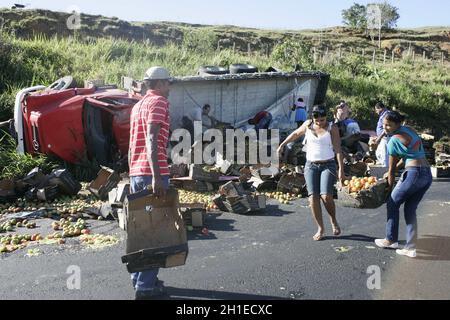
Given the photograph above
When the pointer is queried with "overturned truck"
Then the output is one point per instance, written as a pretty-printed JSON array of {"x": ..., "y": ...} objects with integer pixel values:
[{"x": 93, "y": 123}]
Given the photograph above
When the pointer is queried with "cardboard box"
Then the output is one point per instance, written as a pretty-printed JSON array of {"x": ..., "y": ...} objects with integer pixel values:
[{"x": 156, "y": 233}]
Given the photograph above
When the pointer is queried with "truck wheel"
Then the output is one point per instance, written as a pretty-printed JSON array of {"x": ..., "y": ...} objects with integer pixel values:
[
  {"x": 62, "y": 83},
  {"x": 211, "y": 70},
  {"x": 242, "y": 68}
]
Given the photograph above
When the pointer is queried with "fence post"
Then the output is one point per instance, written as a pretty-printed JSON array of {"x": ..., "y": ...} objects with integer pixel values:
[
  {"x": 373, "y": 57},
  {"x": 393, "y": 56},
  {"x": 218, "y": 45},
  {"x": 364, "y": 53},
  {"x": 423, "y": 56},
  {"x": 414, "y": 56},
  {"x": 340, "y": 53},
  {"x": 234, "y": 47},
  {"x": 384, "y": 57},
  {"x": 442, "y": 58},
  {"x": 249, "y": 48}
]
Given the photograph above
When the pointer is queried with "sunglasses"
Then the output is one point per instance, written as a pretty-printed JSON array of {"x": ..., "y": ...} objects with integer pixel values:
[{"x": 319, "y": 114}]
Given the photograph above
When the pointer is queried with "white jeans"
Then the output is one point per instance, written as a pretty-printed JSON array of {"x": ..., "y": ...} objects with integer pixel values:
[{"x": 381, "y": 152}]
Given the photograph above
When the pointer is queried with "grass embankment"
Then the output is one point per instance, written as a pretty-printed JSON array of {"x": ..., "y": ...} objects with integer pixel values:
[{"x": 421, "y": 90}]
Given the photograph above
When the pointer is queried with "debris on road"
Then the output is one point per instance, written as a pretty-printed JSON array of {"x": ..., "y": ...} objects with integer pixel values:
[{"x": 343, "y": 249}]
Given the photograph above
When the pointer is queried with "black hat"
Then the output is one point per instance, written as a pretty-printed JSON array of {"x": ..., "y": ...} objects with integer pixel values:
[
  {"x": 318, "y": 112},
  {"x": 320, "y": 109}
]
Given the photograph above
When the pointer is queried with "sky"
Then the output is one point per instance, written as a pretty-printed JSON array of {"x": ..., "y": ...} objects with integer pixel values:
[{"x": 265, "y": 14}]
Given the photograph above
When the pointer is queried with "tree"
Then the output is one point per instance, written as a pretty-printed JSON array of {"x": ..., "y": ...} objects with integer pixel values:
[
  {"x": 389, "y": 15},
  {"x": 355, "y": 17},
  {"x": 381, "y": 16}
]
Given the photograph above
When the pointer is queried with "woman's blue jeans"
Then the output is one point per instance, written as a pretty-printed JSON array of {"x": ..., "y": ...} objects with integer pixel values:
[{"x": 412, "y": 186}]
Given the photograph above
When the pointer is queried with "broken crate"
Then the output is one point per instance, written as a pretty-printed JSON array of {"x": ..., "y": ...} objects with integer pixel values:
[{"x": 107, "y": 179}]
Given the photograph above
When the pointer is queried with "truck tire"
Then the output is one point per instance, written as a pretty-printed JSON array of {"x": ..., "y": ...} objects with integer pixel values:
[
  {"x": 242, "y": 68},
  {"x": 63, "y": 83},
  {"x": 211, "y": 70}
]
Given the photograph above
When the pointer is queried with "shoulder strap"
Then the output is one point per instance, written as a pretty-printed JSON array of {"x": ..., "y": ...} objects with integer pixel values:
[{"x": 330, "y": 126}]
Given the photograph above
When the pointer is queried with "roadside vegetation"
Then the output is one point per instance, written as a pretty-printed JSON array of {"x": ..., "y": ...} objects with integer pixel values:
[{"x": 420, "y": 90}]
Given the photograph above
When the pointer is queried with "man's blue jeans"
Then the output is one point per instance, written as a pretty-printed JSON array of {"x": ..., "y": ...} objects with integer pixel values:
[
  {"x": 412, "y": 186},
  {"x": 145, "y": 280}
]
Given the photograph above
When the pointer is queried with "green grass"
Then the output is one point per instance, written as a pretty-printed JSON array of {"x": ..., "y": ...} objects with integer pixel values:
[
  {"x": 13, "y": 164},
  {"x": 421, "y": 90}
]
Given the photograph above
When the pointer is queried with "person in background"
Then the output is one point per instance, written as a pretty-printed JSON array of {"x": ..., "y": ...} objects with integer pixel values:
[
  {"x": 349, "y": 129},
  {"x": 381, "y": 141},
  {"x": 405, "y": 149},
  {"x": 300, "y": 112},
  {"x": 261, "y": 120},
  {"x": 187, "y": 121},
  {"x": 149, "y": 136},
  {"x": 322, "y": 147},
  {"x": 344, "y": 110}
]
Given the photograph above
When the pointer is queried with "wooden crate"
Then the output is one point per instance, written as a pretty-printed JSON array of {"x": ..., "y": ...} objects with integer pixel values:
[
  {"x": 107, "y": 179},
  {"x": 193, "y": 214},
  {"x": 370, "y": 199},
  {"x": 196, "y": 172},
  {"x": 440, "y": 172}
]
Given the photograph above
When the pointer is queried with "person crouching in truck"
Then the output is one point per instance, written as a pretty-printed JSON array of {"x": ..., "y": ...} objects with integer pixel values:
[
  {"x": 149, "y": 135},
  {"x": 349, "y": 129},
  {"x": 261, "y": 121},
  {"x": 323, "y": 144},
  {"x": 404, "y": 149}
]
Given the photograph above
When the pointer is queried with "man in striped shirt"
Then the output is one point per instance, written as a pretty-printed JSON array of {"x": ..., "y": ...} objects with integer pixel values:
[{"x": 149, "y": 135}]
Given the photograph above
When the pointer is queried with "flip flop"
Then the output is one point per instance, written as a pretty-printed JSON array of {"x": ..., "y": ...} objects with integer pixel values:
[
  {"x": 318, "y": 236},
  {"x": 336, "y": 230}
]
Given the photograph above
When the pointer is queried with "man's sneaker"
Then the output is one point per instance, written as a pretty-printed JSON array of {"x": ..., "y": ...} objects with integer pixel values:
[
  {"x": 407, "y": 252},
  {"x": 383, "y": 243}
]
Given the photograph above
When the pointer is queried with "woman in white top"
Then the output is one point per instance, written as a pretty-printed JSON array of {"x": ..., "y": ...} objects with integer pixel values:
[{"x": 323, "y": 144}]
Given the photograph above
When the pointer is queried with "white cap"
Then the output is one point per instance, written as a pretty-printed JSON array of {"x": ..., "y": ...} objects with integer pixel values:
[{"x": 157, "y": 73}]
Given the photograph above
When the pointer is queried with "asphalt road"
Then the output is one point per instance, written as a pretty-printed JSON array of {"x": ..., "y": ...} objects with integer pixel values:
[{"x": 265, "y": 256}]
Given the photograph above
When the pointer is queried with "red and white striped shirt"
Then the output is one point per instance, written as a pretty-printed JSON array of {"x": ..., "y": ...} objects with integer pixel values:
[{"x": 152, "y": 109}]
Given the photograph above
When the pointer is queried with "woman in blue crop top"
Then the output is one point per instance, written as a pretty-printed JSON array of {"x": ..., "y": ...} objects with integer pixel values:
[{"x": 405, "y": 149}]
